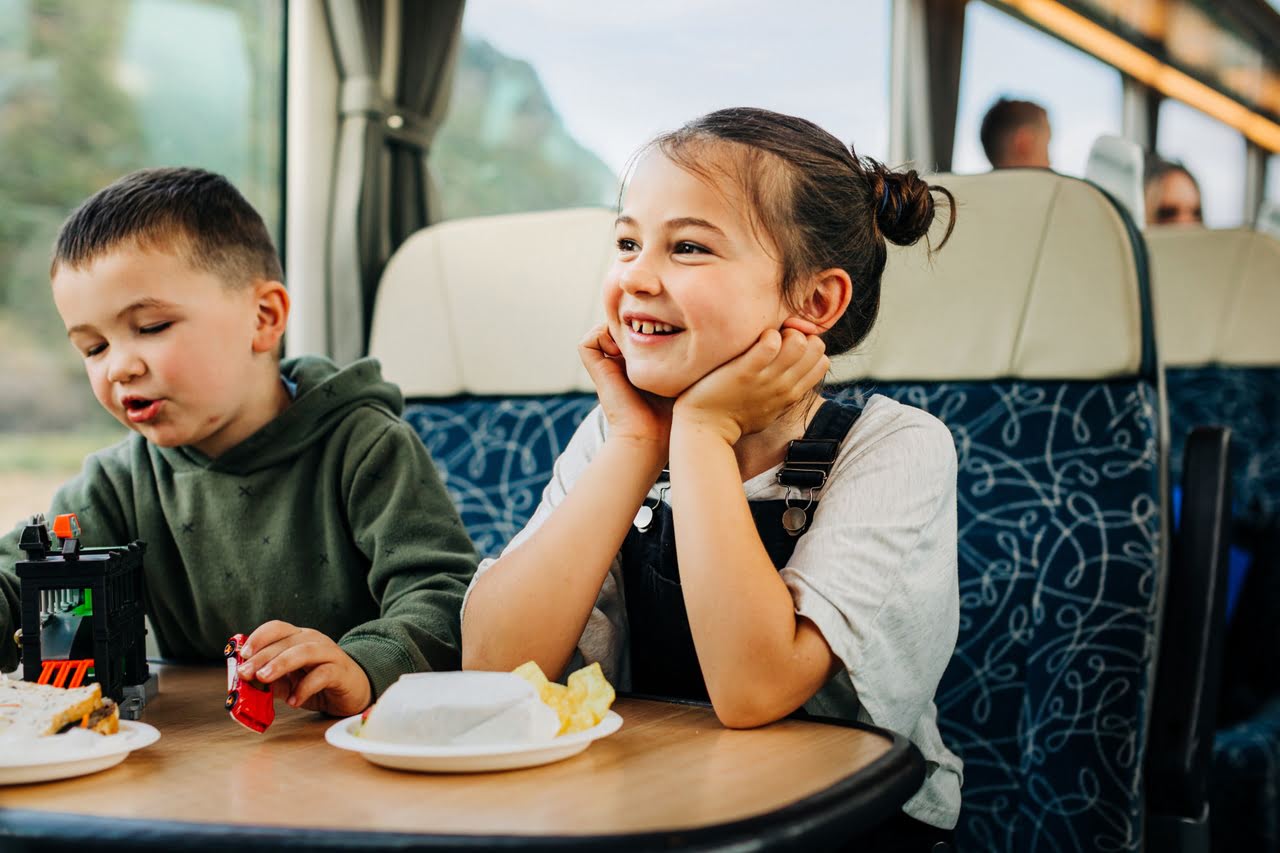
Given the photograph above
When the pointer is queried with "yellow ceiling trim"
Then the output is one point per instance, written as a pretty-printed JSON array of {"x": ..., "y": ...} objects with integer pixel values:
[{"x": 1144, "y": 67}]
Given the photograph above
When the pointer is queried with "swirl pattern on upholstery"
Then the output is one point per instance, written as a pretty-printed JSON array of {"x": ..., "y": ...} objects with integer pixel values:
[
  {"x": 1247, "y": 399},
  {"x": 1243, "y": 789},
  {"x": 495, "y": 455},
  {"x": 1059, "y": 526}
]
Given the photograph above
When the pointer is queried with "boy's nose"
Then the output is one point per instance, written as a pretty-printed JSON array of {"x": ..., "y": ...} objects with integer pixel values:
[{"x": 125, "y": 366}]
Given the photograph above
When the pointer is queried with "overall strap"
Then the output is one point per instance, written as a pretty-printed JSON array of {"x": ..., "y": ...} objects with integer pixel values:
[{"x": 810, "y": 459}]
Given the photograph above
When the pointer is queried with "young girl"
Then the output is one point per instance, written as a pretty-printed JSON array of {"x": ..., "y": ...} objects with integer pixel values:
[{"x": 715, "y": 530}]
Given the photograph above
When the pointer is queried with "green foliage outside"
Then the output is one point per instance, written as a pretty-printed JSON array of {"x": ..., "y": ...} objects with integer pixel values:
[
  {"x": 58, "y": 452},
  {"x": 88, "y": 92},
  {"x": 503, "y": 147},
  {"x": 92, "y": 90}
]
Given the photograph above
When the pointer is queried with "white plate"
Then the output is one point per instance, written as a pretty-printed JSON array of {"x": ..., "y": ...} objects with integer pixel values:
[
  {"x": 64, "y": 759},
  {"x": 468, "y": 759}
]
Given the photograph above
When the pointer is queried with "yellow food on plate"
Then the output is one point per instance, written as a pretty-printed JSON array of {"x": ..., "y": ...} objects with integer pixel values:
[{"x": 580, "y": 704}]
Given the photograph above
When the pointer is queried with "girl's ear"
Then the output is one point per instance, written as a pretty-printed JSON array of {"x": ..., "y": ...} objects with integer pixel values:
[
  {"x": 272, "y": 304},
  {"x": 826, "y": 303}
]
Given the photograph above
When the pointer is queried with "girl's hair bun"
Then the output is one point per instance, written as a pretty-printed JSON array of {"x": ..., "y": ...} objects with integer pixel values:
[{"x": 904, "y": 204}]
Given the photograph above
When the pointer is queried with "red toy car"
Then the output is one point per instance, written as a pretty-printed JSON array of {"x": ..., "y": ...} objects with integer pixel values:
[{"x": 249, "y": 701}]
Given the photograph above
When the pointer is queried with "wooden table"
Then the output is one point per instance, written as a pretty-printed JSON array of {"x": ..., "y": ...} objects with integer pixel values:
[{"x": 671, "y": 777}]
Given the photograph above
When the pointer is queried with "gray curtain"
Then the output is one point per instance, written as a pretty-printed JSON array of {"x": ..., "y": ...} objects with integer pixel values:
[
  {"x": 382, "y": 189},
  {"x": 945, "y": 42}
]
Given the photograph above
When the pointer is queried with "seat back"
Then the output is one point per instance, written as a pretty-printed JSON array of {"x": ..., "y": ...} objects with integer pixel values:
[
  {"x": 1029, "y": 335},
  {"x": 476, "y": 321},
  {"x": 1218, "y": 313},
  {"x": 1116, "y": 164},
  {"x": 1218, "y": 300}
]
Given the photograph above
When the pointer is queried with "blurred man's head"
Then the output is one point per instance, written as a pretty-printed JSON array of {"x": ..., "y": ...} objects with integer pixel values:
[
  {"x": 1172, "y": 194},
  {"x": 1016, "y": 133}
]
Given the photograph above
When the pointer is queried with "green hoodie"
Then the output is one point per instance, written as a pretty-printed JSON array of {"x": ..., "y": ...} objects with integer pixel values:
[{"x": 330, "y": 517}]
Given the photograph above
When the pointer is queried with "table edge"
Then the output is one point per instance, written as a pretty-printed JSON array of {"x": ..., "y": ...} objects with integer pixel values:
[{"x": 853, "y": 804}]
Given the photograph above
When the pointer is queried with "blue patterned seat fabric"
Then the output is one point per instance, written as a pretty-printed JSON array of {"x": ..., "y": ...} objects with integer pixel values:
[
  {"x": 1243, "y": 784},
  {"x": 1058, "y": 528},
  {"x": 1059, "y": 523},
  {"x": 495, "y": 455},
  {"x": 1247, "y": 399},
  {"x": 1245, "y": 778}
]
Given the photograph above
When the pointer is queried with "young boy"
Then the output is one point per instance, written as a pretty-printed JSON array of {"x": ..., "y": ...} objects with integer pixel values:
[{"x": 287, "y": 497}]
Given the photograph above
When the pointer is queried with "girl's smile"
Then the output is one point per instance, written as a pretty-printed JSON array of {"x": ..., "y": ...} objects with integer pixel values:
[{"x": 645, "y": 329}]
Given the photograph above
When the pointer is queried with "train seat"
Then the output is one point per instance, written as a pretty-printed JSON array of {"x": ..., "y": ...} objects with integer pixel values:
[
  {"x": 1218, "y": 302},
  {"x": 1030, "y": 336},
  {"x": 477, "y": 321},
  {"x": 1218, "y": 310}
]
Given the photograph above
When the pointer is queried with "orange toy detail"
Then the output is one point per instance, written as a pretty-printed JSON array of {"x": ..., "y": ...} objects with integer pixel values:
[
  {"x": 64, "y": 673},
  {"x": 66, "y": 526}
]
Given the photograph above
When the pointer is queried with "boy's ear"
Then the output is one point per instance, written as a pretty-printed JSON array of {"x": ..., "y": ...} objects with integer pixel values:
[
  {"x": 272, "y": 303},
  {"x": 826, "y": 303}
]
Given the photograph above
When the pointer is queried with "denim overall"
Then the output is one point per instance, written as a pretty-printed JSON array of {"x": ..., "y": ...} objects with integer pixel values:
[{"x": 663, "y": 659}]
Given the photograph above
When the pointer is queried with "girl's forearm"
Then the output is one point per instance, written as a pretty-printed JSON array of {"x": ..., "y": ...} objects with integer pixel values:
[
  {"x": 533, "y": 603},
  {"x": 759, "y": 659}
]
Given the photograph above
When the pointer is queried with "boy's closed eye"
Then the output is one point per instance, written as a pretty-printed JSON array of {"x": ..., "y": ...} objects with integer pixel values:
[{"x": 150, "y": 329}]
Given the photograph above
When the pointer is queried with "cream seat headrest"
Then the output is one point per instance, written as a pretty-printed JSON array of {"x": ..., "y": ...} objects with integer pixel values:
[
  {"x": 1217, "y": 296},
  {"x": 1038, "y": 281},
  {"x": 494, "y": 305}
]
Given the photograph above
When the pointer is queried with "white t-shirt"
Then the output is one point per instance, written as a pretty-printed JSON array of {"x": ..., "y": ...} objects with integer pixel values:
[{"x": 875, "y": 572}]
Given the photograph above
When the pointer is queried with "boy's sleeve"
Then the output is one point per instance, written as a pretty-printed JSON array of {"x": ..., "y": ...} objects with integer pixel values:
[
  {"x": 422, "y": 559},
  {"x": 93, "y": 496}
]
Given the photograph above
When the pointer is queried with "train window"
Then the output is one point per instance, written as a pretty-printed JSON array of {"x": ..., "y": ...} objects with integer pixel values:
[
  {"x": 551, "y": 99},
  {"x": 1273, "y": 178},
  {"x": 88, "y": 92},
  {"x": 1214, "y": 154},
  {"x": 1006, "y": 58}
]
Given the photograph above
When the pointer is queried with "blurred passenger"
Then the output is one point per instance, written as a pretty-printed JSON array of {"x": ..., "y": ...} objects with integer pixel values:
[
  {"x": 1016, "y": 134},
  {"x": 1172, "y": 194}
]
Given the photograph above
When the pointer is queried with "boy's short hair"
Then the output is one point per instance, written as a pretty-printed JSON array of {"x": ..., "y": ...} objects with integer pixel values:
[
  {"x": 196, "y": 214},
  {"x": 1005, "y": 116}
]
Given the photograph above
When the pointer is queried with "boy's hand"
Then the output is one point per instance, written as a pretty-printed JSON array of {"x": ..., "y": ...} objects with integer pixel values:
[
  {"x": 306, "y": 669},
  {"x": 745, "y": 395},
  {"x": 632, "y": 414}
]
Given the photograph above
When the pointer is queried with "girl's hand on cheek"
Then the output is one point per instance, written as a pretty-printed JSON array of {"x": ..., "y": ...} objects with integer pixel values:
[
  {"x": 632, "y": 414},
  {"x": 747, "y": 394}
]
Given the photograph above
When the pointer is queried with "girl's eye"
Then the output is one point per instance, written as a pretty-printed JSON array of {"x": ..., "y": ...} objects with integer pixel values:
[
  {"x": 95, "y": 350},
  {"x": 154, "y": 328},
  {"x": 684, "y": 247},
  {"x": 626, "y": 244}
]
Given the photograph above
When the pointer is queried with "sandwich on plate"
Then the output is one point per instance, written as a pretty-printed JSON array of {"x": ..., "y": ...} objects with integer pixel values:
[
  {"x": 487, "y": 708},
  {"x": 29, "y": 710},
  {"x": 459, "y": 709}
]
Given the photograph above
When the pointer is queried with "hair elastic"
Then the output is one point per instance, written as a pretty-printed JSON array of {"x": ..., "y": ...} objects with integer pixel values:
[{"x": 884, "y": 197}]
